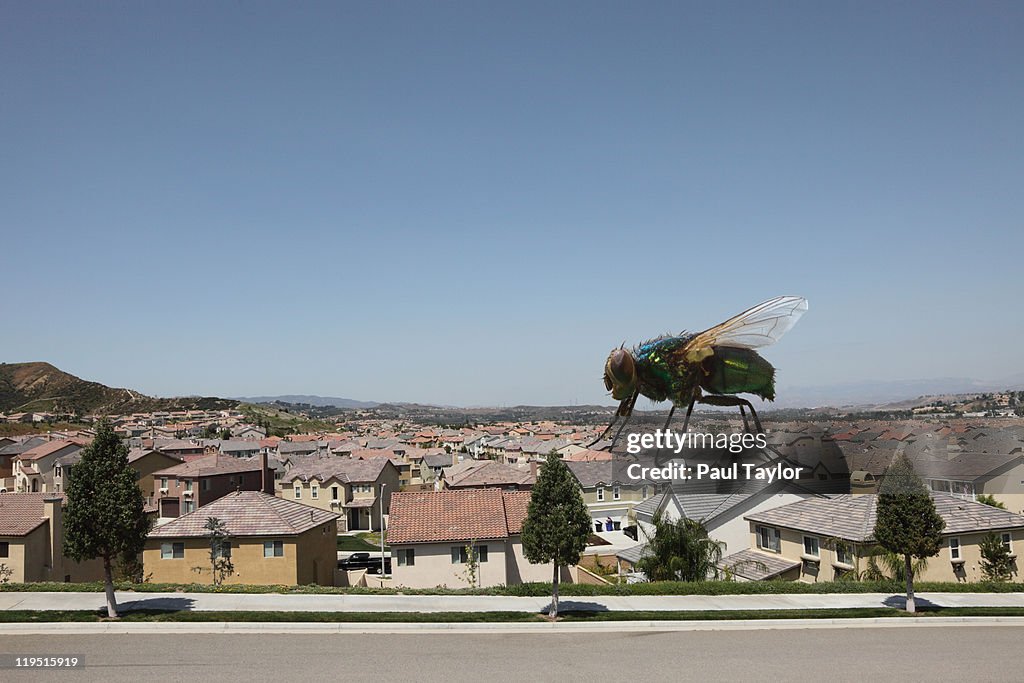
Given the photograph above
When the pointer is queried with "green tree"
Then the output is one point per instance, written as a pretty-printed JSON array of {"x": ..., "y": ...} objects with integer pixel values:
[
  {"x": 225, "y": 434},
  {"x": 680, "y": 551},
  {"x": 996, "y": 560},
  {"x": 906, "y": 522},
  {"x": 989, "y": 499},
  {"x": 105, "y": 515},
  {"x": 557, "y": 523}
]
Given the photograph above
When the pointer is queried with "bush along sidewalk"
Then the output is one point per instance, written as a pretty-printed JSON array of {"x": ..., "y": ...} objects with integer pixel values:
[{"x": 541, "y": 590}]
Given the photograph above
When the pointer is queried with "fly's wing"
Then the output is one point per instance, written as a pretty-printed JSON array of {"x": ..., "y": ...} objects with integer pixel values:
[{"x": 755, "y": 327}]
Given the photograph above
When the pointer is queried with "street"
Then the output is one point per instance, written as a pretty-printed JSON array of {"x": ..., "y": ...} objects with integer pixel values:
[{"x": 952, "y": 652}]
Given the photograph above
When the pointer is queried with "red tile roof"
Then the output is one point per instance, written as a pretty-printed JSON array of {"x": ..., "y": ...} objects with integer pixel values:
[
  {"x": 248, "y": 513},
  {"x": 463, "y": 515},
  {"x": 211, "y": 465},
  {"x": 20, "y": 513}
]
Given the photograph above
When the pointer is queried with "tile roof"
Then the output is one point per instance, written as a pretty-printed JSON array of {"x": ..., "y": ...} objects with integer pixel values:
[
  {"x": 211, "y": 465},
  {"x": 20, "y": 513},
  {"x": 248, "y": 513},
  {"x": 757, "y": 566},
  {"x": 460, "y": 515},
  {"x": 481, "y": 473},
  {"x": 48, "y": 448},
  {"x": 345, "y": 470},
  {"x": 852, "y": 517}
]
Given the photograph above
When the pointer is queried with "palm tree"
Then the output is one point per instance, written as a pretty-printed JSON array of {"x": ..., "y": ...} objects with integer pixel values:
[{"x": 680, "y": 551}]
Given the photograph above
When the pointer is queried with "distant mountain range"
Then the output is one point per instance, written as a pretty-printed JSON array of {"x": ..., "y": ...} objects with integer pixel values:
[
  {"x": 318, "y": 401},
  {"x": 41, "y": 387},
  {"x": 873, "y": 393}
]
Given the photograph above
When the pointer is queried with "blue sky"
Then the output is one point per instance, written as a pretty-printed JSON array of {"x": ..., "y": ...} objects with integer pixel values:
[{"x": 471, "y": 203}]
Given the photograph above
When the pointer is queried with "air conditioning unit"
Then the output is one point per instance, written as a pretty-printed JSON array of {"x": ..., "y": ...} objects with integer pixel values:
[{"x": 188, "y": 493}]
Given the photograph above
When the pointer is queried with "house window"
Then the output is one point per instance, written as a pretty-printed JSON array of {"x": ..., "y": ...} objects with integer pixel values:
[
  {"x": 314, "y": 492},
  {"x": 954, "y": 548},
  {"x": 298, "y": 493},
  {"x": 406, "y": 557},
  {"x": 811, "y": 548},
  {"x": 163, "y": 482},
  {"x": 189, "y": 506},
  {"x": 273, "y": 549},
  {"x": 5, "y": 549},
  {"x": 56, "y": 470},
  {"x": 615, "y": 493},
  {"x": 334, "y": 493},
  {"x": 241, "y": 480},
  {"x": 768, "y": 538},
  {"x": 643, "y": 491},
  {"x": 188, "y": 484},
  {"x": 460, "y": 554},
  {"x": 844, "y": 553},
  {"x": 600, "y": 493},
  {"x": 1008, "y": 543},
  {"x": 172, "y": 551},
  {"x": 224, "y": 551},
  {"x": 205, "y": 486}
]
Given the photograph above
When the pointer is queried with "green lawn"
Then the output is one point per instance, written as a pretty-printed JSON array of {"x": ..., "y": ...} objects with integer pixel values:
[{"x": 369, "y": 542}]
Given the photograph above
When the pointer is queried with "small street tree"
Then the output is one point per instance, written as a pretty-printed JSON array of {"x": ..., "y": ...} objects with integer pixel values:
[
  {"x": 557, "y": 523},
  {"x": 906, "y": 521},
  {"x": 105, "y": 515},
  {"x": 996, "y": 559},
  {"x": 221, "y": 566}
]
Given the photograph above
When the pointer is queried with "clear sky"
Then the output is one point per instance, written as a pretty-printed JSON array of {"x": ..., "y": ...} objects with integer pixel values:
[{"x": 472, "y": 202}]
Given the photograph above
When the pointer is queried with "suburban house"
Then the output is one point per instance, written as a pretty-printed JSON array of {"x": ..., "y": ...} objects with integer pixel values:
[
  {"x": 349, "y": 486},
  {"x": 183, "y": 488},
  {"x": 33, "y": 469},
  {"x": 146, "y": 462},
  {"x": 32, "y": 541},
  {"x": 479, "y": 474},
  {"x": 270, "y": 541},
  {"x": 821, "y": 539},
  {"x": 430, "y": 533},
  {"x": 607, "y": 496},
  {"x": 9, "y": 452}
]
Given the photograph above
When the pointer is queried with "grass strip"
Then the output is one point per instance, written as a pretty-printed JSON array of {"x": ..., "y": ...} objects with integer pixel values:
[{"x": 54, "y": 616}]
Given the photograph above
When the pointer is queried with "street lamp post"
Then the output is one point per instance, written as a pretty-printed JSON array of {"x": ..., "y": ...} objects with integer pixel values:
[{"x": 382, "y": 572}]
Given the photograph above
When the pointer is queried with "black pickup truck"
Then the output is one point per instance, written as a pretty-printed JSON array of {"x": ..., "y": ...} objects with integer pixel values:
[{"x": 364, "y": 561}]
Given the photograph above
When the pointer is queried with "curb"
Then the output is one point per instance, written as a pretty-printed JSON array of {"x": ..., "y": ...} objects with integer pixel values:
[{"x": 241, "y": 628}]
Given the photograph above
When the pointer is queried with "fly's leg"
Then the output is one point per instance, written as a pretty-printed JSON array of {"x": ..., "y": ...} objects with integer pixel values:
[
  {"x": 669, "y": 420},
  {"x": 606, "y": 430},
  {"x": 734, "y": 401},
  {"x": 625, "y": 409},
  {"x": 694, "y": 396}
]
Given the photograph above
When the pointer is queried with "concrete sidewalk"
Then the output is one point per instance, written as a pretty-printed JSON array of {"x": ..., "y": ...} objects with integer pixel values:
[{"x": 265, "y": 602}]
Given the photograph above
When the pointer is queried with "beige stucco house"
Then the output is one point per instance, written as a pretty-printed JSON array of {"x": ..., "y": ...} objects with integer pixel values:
[
  {"x": 430, "y": 534},
  {"x": 821, "y": 539},
  {"x": 32, "y": 541},
  {"x": 271, "y": 541},
  {"x": 351, "y": 487}
]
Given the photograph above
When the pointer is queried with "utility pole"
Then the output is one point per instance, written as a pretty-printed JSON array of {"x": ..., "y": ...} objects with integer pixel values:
[{"x": 382, "y": 572}]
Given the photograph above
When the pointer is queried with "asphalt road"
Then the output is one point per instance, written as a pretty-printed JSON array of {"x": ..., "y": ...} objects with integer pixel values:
[{"x": 955, "y": 653}]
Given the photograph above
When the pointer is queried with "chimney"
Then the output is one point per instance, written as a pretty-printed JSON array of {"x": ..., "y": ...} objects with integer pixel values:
[
  {"x": 263, "y": 474},
  {"x": 53, "y": 511}
]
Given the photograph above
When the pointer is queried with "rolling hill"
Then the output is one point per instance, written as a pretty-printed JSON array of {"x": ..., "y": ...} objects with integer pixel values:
[{"x": 41, "y": 387}]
